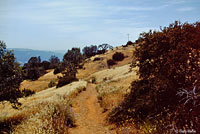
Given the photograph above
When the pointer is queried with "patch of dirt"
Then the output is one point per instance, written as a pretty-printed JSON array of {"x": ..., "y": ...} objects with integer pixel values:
[{"x": 89, "y": 116}]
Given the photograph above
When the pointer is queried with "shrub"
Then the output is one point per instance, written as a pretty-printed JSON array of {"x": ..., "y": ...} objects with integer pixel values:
[
  {"x": 129, "y": 43},
  {"x": 111, "y": 62},
  {"x": 54, "y": 62},
  {"x": 65, "y": 80},
  {"x": 27, "y": 92},
  {"x": 80, "y": 66},
  {"x": 71, "y": 61},
  {"x": 69, "y": 75},
  {"x": 168, "y": 62},
  {"x": 56, "y": 70},
  {"x": 118, "y": 56},
  {"x": 51, "y": 84},
  {"x": 46, "y": 65},
  {"x": 97, "y": 59},
  {"x": 93, "y": 79},
  {"x": 60, "y": 68}
]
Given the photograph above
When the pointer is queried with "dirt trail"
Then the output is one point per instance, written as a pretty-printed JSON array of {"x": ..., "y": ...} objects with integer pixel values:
[{"x": 88, "y": 114}]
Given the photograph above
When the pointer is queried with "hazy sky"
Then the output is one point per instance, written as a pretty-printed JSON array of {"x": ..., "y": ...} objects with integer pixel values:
[{"x": 62, "y": 24}]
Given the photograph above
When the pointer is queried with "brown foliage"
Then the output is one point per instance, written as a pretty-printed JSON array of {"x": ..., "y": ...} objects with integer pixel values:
[{"x": 167, "y": 93}]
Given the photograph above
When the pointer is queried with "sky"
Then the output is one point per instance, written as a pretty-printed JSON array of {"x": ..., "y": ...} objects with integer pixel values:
[{"x": 63, "y": 24}]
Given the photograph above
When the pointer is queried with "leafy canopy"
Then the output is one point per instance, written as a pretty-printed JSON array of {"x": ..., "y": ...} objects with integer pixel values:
[{"x": 10, "y": 75}]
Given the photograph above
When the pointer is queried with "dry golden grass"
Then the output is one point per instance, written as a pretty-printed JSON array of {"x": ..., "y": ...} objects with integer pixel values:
[
  {"x": 113, "y": 84},
  {"x": 39, "y": 112},
  {"x": 114, "y": 74},
  {"x": 95, "y": 66},
  {"x": 41, "y": 83},
  {"x": 50, "y": 119}
]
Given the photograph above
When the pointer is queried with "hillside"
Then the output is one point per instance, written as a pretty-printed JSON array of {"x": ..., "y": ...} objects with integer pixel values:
[
  {"x": 41, "y": 83},
  {"x": 23, "y": 55},
  {"x": 109, "y": 86},
  {"x": 100, "y": 67},
  {"x": 37, "y": 109},
  {"x": 91, "y": 66}
]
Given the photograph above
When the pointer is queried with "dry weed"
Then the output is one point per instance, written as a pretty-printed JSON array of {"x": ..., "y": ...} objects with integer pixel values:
[{"x": 39, "y": 114}]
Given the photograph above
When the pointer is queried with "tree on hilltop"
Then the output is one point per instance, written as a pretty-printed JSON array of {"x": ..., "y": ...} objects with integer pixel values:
[
  {"x": 90, "y": 51},
  {"x": 71, "y": 61},
  {"x": 33, "y": 69},
  {"x": 103, "y": 48},
  {"x": 54, "y": 61},
  {"x": 73, "y": 56}
]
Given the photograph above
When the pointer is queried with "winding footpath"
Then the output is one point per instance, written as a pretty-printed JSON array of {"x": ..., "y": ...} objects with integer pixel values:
[{"x": 89, "y": 118}]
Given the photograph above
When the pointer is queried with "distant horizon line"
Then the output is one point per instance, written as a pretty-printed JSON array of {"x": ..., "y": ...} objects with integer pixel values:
[{"x": 10, "y": 48}]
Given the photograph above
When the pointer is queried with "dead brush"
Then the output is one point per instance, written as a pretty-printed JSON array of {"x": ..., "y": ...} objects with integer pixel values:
[
  {"x": 42, "y": 113},
  {"x": 54, "y": 117}
]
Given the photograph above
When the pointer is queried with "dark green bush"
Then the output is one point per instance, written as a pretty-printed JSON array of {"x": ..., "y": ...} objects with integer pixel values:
[
  {"x": 27, "y": 92},
  {"x": 51, "y": 84},
  {"x": 118, "y": 56},
  {"x": 56, "y": 70},
  {"x": 90, "y": 51},
  {"x": 69, "y": 75},
  {"x": 129, "y": 43},
  {"x": 111, "y": 62},
  {"x": 73, "y": 56},
  {"x": 10, "y": 76},
  {"x": 33, "y": 69},
  {"x": 54, "y": 62},
  {"x": 93, "y": 79},
  {"x": 45, "y": 65},
  {"x": 93, "y": 50},
  {"x": 97, "y": 59},
  {"x": 65, "y": 80},
  {"x": 71, "y": 61},
  {"x": 167, "y": 93}
]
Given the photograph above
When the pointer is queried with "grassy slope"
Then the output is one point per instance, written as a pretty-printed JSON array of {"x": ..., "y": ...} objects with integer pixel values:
[
  {"x": 41, "y": 83},
  {"x": 114, "y": 82},
  {"x": 35, "y": 106},
  {"x": 95, "y": 66},
  {"x": 112, "y": 85},
  {"x": 89, "y": 65}
]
